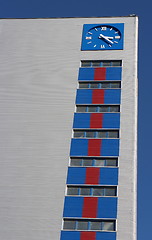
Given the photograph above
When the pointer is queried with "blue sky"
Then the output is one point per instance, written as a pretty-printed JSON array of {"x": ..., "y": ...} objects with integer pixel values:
[{"x": 101, "y": 8}]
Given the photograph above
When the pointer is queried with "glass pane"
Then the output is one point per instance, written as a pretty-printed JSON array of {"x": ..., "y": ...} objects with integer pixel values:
[
  {"x": 111, "y": 191},
  {"x": 101, "y": 135},
  {"x": 98, "y": 192},
  {"x": 92, "y": 109},
  {"x": 106, "y": 63},
  {"x": 95, "y": 225},
  {"x": 105, "y": 85},
  {"x": 96, "y": 64},
  {"x": 103, "y": 109},
  {"x": 84, "y": 191},
  {"x": 82, "y": 225},
  {"x": 83, "y": 85},
  {"x": 94, "y": 85},
  {"x": 69, "y": 224},
  {"x": 79, "y": 134},
  {"x": 81, "y": 109},
  {"x": 114, "y": 108},
  {"x": 72, "y": 190},
  {"x": 86, "y": 64},
  {"x": 87, "y": 162},
  {"x": 113, "y": 134},
  {"x": 111, "y": 162},
  {"x": 76, "y": 162},
  {"x": 115, "y": 85},
  {"x": 90, "y": 134},
  {"x": 108, "y": 226},
  {"x": 116, "y": 63},
  {"x": 99, "y": 162}
]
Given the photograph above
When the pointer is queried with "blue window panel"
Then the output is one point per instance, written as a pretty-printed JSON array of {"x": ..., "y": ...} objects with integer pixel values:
[
  {"x": 111, "y": 120},
  {"x": 105, "y": 236},
  {"x": 84, "y": 96},
  {"x": 86, "y": 74},
  {"x": 71, "y": 235},
  {"x": 76, "y": 175},
  {"x": 113, "y": 73},
  {"x": 110, "y": 147},
  {"x": 107, "y": 207},
  {"x": 108, "y": 176},
  {"x": 81, "y": 120},
  {"x": 79, "y": 147},
  {"x": 73, "y": 207},
  {"x": 112, "y": 96}
]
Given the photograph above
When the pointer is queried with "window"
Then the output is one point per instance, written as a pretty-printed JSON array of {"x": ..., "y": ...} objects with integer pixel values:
[
  {"x": 92, "y": 109},
  {"x": 92, "y": 191},
  {"x": 79, "y": 134},
  {"x": 98, "y": 85},
  {"x": 98, "y": 162},
  {"x": 98, "y": 108},
  {"x": 69, "y": 224},
  {"x": 86, "y": 64},
  {"x": 87, "y": 162},
  {"x": 82, "y": 225},
  {"x": 84, "y": 191},
  {"x": 104, "y": 63},
  {"x": 95, "y": 63},
  {"x": 73, "y": 191},
  {"x": 96, "y": 134},
  {"x": 96, "y": 225}
]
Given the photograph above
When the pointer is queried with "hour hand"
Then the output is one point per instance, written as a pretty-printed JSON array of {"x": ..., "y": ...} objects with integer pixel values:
[{"x": 106, "y": 38}]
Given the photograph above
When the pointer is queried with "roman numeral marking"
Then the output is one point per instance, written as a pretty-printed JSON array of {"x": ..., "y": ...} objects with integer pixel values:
[
  {"x": 103, "y": 28},
  {"x": 117, "y": 37},
  {"x": 89, "y": 37}
]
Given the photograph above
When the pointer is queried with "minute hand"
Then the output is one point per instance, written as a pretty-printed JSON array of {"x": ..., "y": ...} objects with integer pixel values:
[{"x": 106, "y": 38}]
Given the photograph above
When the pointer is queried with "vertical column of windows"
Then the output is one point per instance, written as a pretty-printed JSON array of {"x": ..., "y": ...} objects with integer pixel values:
[{"x": 91, "y": 195}]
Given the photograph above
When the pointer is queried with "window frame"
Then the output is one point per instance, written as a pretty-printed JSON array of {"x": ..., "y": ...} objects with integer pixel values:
[
  {"x": 99, "y": 84},
  {"x": 93, "y": 160},
  {"x": 91, "y": 190},
  {"x": 89, "y": 221},
  {"x": 96, "y": 133},
  {"x": 97, "y": 108},
  {"x": 100, "y": 63}
]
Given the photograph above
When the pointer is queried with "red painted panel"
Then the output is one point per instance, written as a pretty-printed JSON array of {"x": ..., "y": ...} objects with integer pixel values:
[
  {"x": 96, "y": 120},
  {"x": 90, "y": 207},
  {"x": 98, "y": 96},
  {"x": 94, "y": 147},
  {"x": 92, "y": 175},
  {"x": 99, "y": 74},
  {"x": 88, "y": 236}
]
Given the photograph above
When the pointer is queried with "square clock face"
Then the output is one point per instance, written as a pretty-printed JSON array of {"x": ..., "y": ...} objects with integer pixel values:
[{"x": 102, "y": 36}]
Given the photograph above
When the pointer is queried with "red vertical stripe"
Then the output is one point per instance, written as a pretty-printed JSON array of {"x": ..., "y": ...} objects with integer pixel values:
[
  {"x": 88, "y": 236},
  {"x": 92, "y": 175},
  {"x": 90, "y": 207},
  {"x": 96, "y": 120},
  {"x": 98, "y": 96},
  {"x": 99, "y": 74},
  {"x": 94, "y": 147}
]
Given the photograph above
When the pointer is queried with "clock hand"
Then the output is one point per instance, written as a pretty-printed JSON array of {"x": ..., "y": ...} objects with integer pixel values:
[{"x": 106, "y": 38}]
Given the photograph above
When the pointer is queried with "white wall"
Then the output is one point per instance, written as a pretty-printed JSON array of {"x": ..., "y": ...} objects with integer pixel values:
[{"x": 38, "y": 79}]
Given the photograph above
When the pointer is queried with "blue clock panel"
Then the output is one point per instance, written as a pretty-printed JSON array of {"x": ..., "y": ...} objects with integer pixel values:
[{"x": 102, "y": 36}]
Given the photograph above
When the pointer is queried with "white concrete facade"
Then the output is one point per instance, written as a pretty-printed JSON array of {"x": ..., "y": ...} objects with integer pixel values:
[{"x": 39, "y": 65}]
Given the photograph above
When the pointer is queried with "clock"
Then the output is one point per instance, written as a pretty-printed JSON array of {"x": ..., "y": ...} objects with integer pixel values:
[{"x": 102, "y": 36}]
